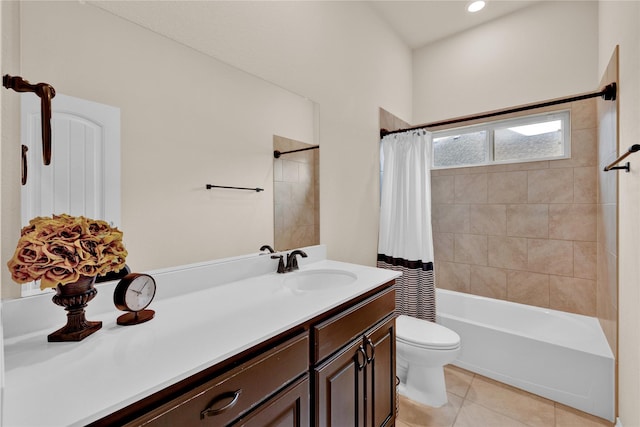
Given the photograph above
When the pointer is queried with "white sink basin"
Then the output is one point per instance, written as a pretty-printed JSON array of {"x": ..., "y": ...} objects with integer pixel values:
[{"x": 318, "y": 280}]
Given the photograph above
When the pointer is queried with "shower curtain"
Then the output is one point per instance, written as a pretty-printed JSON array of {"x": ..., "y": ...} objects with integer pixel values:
[{"x": 405, "y": 241}]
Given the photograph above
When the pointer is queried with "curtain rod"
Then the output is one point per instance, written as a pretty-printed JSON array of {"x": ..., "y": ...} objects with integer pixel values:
[
  {"x": 277, "y": 154},
  {"x": 608, "y": 93}
]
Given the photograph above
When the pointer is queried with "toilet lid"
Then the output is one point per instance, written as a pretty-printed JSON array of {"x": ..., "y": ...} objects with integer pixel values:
[{"x": 425, "y": 334}]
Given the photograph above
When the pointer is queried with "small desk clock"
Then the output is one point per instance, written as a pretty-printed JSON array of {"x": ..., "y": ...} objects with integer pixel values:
[{"x": 133, "y": 294}]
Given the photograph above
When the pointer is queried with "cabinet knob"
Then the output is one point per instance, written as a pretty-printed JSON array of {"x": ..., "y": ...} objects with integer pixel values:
[{"x": 211, "y": 411}]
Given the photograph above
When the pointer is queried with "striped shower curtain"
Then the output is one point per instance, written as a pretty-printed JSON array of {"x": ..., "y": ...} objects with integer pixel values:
[{"x": 405, "y": 241}]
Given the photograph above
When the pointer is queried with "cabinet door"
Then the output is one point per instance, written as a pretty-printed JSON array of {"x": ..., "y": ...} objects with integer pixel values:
[
  {"x": 340, "y": 388},
  {"x": 290, "y": 408},
  {"x": 381, "y": 374}
]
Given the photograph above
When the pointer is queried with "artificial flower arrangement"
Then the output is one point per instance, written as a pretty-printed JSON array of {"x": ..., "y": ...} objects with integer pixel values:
[{"x": 60, "y": 249}]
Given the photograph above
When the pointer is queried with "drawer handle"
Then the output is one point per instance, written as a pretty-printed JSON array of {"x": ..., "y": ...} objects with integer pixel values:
[
  {"x": 364, "y": 358},
  {"x": 373, "y": 350},
  {"x": 210, "y": 411}
]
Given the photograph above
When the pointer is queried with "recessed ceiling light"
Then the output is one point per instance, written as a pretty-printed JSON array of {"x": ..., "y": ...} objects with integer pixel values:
[{"x": 475, "y": 6}]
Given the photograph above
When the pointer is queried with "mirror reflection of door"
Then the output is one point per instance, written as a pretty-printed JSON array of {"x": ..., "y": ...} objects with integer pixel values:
[
  {"x": 84, "y": 175},
  {"x": 296, "y": 195}
]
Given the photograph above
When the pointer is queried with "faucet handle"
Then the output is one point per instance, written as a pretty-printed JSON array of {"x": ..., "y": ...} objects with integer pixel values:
[
  {"x": 292, "y": 261},
  {"x": 281, "y": 268}
]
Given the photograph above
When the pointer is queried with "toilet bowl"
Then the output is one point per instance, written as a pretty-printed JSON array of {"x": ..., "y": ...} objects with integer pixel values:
[{"x": 422, "y": 350}]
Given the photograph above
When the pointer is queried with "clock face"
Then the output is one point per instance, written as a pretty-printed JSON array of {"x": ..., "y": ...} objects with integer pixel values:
[
  {"x": 135, "y": 292},
  {"x": 140, "y": 293}
]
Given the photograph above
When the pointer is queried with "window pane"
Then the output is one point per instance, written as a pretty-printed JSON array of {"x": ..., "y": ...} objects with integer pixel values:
[
  {"x": 460, "y": 150},
  {"x": 532, "y": 141}
]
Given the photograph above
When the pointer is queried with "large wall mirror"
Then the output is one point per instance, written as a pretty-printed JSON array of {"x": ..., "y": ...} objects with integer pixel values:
[{"x": 187, "y": 120}]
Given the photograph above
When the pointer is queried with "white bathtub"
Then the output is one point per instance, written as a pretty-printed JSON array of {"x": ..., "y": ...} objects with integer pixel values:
[{"x": 561, "y": 356}]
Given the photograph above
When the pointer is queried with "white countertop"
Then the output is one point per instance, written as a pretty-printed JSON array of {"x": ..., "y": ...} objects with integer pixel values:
[{"x": 75, "y": 383}]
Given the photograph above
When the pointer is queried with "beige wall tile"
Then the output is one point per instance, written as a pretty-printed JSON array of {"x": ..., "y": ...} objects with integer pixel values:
[
  {"x": 277, "y": 170},
  {"x": 584, "y": 260},
  {"x": 303, "y": 193},
  {"x": 528, "y": 221},
  {"x": 528, "y": 288},
  {"x": 607, "y": 280},
  {"x": 572, "y": 222},
  {"x": 453, "y": 276},
  {"x": 583, "y": 150},
  {"x": 550, "y": 256},
  {"x": 507, "y": 252},
  {"x": 527, "y": 166},
  {"x": 290, "y": 171},
  {"x": 488, "y": 219},
  {"x": 470, "y": 249},
  {"x": 443, "y": 246},
  {"x": 305, "y": 172},
  {"x": 585, "y": 188},
  {"x": 442, "y": 189},
  {"x": 584, "y": 114},
  {"x": 489, "y": 282},
  {"x": 609, "y": 223},
  {"x": 608, "y": 185},
  {"x": 507, "y": 187},
  {"x": 450, "y": 218},
  {"x": 471, "y": 188},
  {"x": 573, "y": 295},
  {"x": 389, "y": 121},
  {"x": 550, "y": 186},
  {"x": 534, "y": 219}
]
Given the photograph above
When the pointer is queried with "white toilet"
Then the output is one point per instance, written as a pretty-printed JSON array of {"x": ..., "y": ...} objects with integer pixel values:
[{"x": 422, "y": 350}]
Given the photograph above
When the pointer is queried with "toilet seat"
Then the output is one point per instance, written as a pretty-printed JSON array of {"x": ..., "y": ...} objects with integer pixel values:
[{"x": 425, "y": 334}]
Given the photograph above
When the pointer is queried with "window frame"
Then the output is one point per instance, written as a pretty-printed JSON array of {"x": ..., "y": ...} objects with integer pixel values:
[{"x": 489, "y": 127}]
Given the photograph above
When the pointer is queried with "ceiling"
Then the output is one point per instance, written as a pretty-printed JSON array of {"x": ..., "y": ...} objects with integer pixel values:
[{"x": 421, "y": 22}]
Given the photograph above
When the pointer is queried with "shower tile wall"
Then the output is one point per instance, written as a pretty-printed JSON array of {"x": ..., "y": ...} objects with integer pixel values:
[
  {"x": 390, "y": 122},
  {"x": 296, "y": 196},
  {"x": 523, "y": 232},
  {"x": 607, "y": 222}
]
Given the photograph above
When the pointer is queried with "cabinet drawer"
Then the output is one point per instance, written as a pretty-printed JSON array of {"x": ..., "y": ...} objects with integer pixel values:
[
  {"x": 225, "y": 398},
  {"x": 338, "y": 330}
]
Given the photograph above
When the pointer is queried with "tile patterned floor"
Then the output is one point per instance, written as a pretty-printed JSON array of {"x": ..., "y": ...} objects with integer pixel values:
[{"x": 476, "y": 401}]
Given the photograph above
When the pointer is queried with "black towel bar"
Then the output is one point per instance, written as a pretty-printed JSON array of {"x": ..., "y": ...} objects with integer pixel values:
[
  {"x": 257, "y": 190},
  {"x": 627, "y": 166}
]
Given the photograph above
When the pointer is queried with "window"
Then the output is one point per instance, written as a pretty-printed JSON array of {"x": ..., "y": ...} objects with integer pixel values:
[{"x": 522, "y": 139}]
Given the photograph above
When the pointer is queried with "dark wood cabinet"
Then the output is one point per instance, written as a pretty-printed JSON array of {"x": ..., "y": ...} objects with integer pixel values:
[
  {"x": 381, "y": 372},
  {"x": 356, "y": 385},
  {"x": 231, "y": 395},
  {"x": 336, "y": 369},
  {"x": 289, "y": 408}
]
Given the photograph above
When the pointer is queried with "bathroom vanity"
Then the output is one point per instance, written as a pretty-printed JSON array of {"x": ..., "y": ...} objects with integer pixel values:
[{"x": 252, "y": 347}]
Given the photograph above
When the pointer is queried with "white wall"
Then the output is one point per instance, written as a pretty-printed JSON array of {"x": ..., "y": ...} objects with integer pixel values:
[
  {"x": 187, "y": 120},
  {"x": 338, "y": 54},
  {"x": 618, "y": 25},
  {"x": 341, "y": 55},
  {"x": 545, "y": 51}
]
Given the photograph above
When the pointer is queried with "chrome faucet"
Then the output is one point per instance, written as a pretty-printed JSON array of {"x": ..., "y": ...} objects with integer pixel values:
[{"x": 292, "y": 261}]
